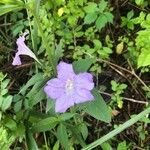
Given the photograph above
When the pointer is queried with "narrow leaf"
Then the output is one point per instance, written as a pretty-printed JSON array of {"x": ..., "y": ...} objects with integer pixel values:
[{"x": 62, "y": 136}]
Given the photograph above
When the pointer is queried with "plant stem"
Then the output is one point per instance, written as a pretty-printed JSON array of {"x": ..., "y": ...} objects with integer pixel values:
[{"x": 117, "y": 130}]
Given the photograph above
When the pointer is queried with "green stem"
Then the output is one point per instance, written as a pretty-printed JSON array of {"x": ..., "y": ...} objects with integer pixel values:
[
  {"x": 117, "y": 130},
  {"x": 45, "y": 43}
]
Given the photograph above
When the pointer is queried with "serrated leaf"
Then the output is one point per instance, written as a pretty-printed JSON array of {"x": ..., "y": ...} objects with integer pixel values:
[
  {"x": 109, "y": 16},
  {"x": 82, "y": 65},
  {"x": 101, "y": 22},
  {"x": 98, "y": 108},
  {"x": 91, "y": 7},
  {"x": 102, "y": 5},
  {"x": 90, "y": 18},
  {"x": 63, "y": 136}
]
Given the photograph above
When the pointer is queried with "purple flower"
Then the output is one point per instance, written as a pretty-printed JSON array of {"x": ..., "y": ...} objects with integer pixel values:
[
  {"x": 22, "y": 50},
  {"x": 69, "y": 88}
]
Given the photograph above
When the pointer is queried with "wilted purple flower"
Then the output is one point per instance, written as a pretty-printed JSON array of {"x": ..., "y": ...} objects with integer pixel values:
[
  {"x": 22, "y": 50},
  {"x": 69, "y": 88}
]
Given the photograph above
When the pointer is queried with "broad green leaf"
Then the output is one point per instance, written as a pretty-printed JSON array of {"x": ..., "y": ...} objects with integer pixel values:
[
  {"x": 106, "y": 146},
  {"x": 101, "y": 22},
  {"x": 144, "y": 58},
  {"x": 63, "y": 136},
  {"x": 90, "y": 18},
  {"x": 10, "y": 123},
  {"x": 109, "y": 16},
  {"x": 91, "y": 7},
  {"x": 130, "y": 14},
  {"x": 98, "y": 108},
  {"x": 45, "y": 124},
  {"x": 97, "y": 44},
  {"x": 17, "y": 106},
  {"x": 82, "y": 65},
  {"x": 122, "y": 146},
  {"x": 6, "y": 102},
  {"x": 5, "y": 83},
  {"x": 102, "y": 5},
  {"x": 139, "y": 2}
]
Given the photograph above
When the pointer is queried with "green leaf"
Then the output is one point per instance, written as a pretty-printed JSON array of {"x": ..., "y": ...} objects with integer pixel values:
[
  {"x": 66, "y": 116},
  {"x": 101, "y": 22},
  {"x": 45, "y": 124},
  {"x": 49, "y": 105},
  {"x": 62, "y": 136},
  {"x": 77, "y": 135},
  {"x": 17, "y": 2},
  {"x": 56, "y": 146},
  {"x": 31, "y": 143},
  {"x": 32, "y": 81},
  {"x": 144, "y": 58},
  {"x": 6, "y": 102},
  {"x": 10, "y": 123},
  {"x": 109, "y": 16},
  {"x": 106, "y": 146},
  {"x": 118, "y": 130},
  {"x": 90, "y": 18},
  {"x": 91, "y": 7},
  {"x": 37, "y": 97},
  {"x": 84, "y": 130},
  {"x": 102, "y": 5},
  {"x": 98, "y": 108},
  {"x": 82, "y": 65},
  {"x": 7, "y": 8},
  {"x": 122, "y": 146},
  {"x": 139, "y": 2},
  {"x": 17, "y": 106},
  {"x": 130, "y": 14}
]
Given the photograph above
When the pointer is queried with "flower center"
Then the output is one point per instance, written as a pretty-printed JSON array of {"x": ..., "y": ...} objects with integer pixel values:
[{"x": 69, "y": 86}]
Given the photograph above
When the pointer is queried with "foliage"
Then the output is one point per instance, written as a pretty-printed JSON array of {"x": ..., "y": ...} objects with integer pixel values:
[
  {"x": 95, "y": 36},
  {"x": 118, "y": 89}
]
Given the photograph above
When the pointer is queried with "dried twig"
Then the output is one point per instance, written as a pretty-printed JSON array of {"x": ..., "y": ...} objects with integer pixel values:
[{"x": 125, "y": 98}]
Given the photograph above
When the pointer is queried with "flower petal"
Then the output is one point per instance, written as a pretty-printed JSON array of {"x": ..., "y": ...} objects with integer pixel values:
[
  {"x": 16, "y": 60},
  {"x": 56, "y": 83},
  {"x": 63, "y": 103},
  {"x": 83, "y": 95},
  {"x": 65, "y": 71},
  {"x": 22, "y": 50},
  {"x": 84, "y": 80},
  {"x": 54, "y": 92}
]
